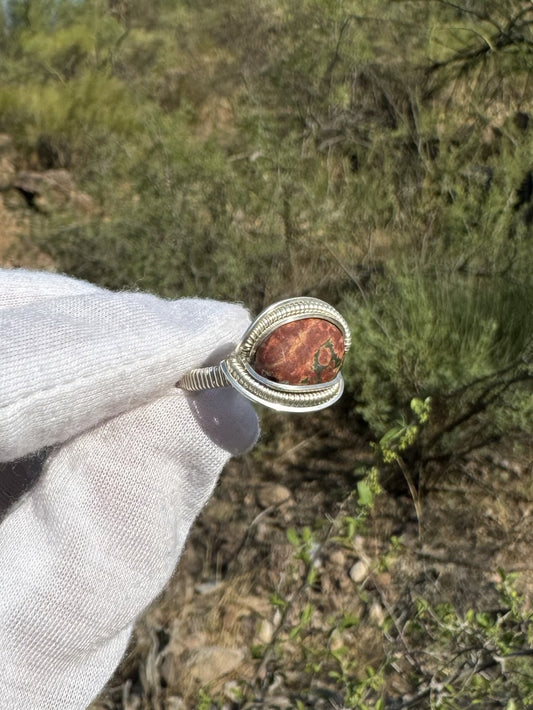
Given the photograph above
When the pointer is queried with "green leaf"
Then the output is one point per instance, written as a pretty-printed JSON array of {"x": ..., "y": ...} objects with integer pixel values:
[
  {"x": 306, "y": 614},
  {"x": 293, "y": 537},
  {"x": 393, "y": 434},
  {"x": 348, "y": 621},
  {"x": 365, "y": 494}
]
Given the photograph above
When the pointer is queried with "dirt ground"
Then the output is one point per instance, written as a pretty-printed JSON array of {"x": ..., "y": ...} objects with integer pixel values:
[{"x": 217, "y": 609}]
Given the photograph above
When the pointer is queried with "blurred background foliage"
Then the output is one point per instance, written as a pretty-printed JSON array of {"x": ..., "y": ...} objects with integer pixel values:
[{"x": 376, "y": 155}]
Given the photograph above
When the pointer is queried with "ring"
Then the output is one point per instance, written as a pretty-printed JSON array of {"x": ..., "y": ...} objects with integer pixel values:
[{"x": 289, "y": 359}]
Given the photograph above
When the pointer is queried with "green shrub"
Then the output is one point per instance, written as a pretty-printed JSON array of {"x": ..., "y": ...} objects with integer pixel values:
[{"x": 465, "y": 342}]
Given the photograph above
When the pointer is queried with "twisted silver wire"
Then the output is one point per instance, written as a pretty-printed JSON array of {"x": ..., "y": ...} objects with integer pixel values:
[
  {"x": 204, "y": 378},
  {"x": 278, "y": 398},
  {"x": 287, "y": 311}
]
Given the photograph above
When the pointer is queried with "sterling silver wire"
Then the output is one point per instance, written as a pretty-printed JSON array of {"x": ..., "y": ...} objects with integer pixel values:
[{"x": 236, "y": 370}]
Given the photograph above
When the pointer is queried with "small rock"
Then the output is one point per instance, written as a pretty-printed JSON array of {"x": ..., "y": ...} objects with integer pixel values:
[
  {"x": 376, "y": 613},
  {"x": 338, "y": 558},
  {"x": 212, "y": 662},
  {"x": 37, "y": 183},
  {"x": 273, "y": 495},
  {"x": 279, "y": 702},
  {"x": 175, "y": 703},
  {"x": 359, "y": 544},
  {"x": 265, "y": 632},
  {"x": 174, "y": 657},
  {"x": 51, "y": 189},
  {"x": 359, "y": 571},
  {"x": 383, "y": 580},
  {"x": 207, "y": 587}
]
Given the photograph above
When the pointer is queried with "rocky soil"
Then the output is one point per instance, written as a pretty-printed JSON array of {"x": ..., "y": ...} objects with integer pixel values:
[{"x": 217, "y": 610}]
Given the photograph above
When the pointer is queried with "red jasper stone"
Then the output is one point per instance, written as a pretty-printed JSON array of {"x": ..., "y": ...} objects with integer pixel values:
[{"x": 303, "y": 352}]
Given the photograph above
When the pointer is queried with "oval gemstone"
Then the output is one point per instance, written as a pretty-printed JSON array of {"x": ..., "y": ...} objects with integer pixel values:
[{"x": 303, "y": 352}]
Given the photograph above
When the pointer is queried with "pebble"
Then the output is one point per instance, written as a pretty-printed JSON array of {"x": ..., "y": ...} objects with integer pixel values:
[
  {"x": 359, "y": 571},
  {"x": 265, "y": 632},
  {"x": 338, "y": 558},
  {"x": 273, "y": 494},
  {"x": 175, "y": 703},
  {"x": 376, "y": 613},
  {"x": 212, "y": 662}
]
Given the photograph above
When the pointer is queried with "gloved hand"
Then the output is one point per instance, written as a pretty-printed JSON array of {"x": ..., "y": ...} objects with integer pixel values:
[{"x": 116, "y": 463}]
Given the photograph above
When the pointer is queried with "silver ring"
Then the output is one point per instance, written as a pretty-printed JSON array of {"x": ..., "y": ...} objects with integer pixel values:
[{"x": 289, "y": 359}]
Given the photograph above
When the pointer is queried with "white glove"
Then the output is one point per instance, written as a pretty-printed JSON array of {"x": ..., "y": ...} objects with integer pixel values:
[{"x": 91, "y": 374}]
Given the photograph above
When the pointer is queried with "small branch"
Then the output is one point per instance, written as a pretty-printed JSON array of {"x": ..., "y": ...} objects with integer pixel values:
[
  {"x": 479, "y": 380},
  {"x": 326, "y": 79},
  {"x": 467, "y": 11},
  {"x": 482, "y": 402},
  {"x": 498, "y": 42},
  {"x": 457, "y": 455},
  {"x": 514, "y": 20}
]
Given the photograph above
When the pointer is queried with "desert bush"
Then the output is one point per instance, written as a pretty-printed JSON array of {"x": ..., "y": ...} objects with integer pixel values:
[
  {"x": 475, "y": 658},
  {"x": 464, "y": 342}
]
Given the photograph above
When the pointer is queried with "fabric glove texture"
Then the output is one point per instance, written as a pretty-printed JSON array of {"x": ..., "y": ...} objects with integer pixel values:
[{"x": 113, "y": 462}]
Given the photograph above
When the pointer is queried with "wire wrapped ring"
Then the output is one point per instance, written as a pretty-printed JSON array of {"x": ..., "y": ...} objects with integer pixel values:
[{"x": 289, "y": 359}]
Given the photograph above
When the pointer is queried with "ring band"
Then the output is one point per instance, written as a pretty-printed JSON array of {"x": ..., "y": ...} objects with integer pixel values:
[{"x": 289, "y": 359}]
